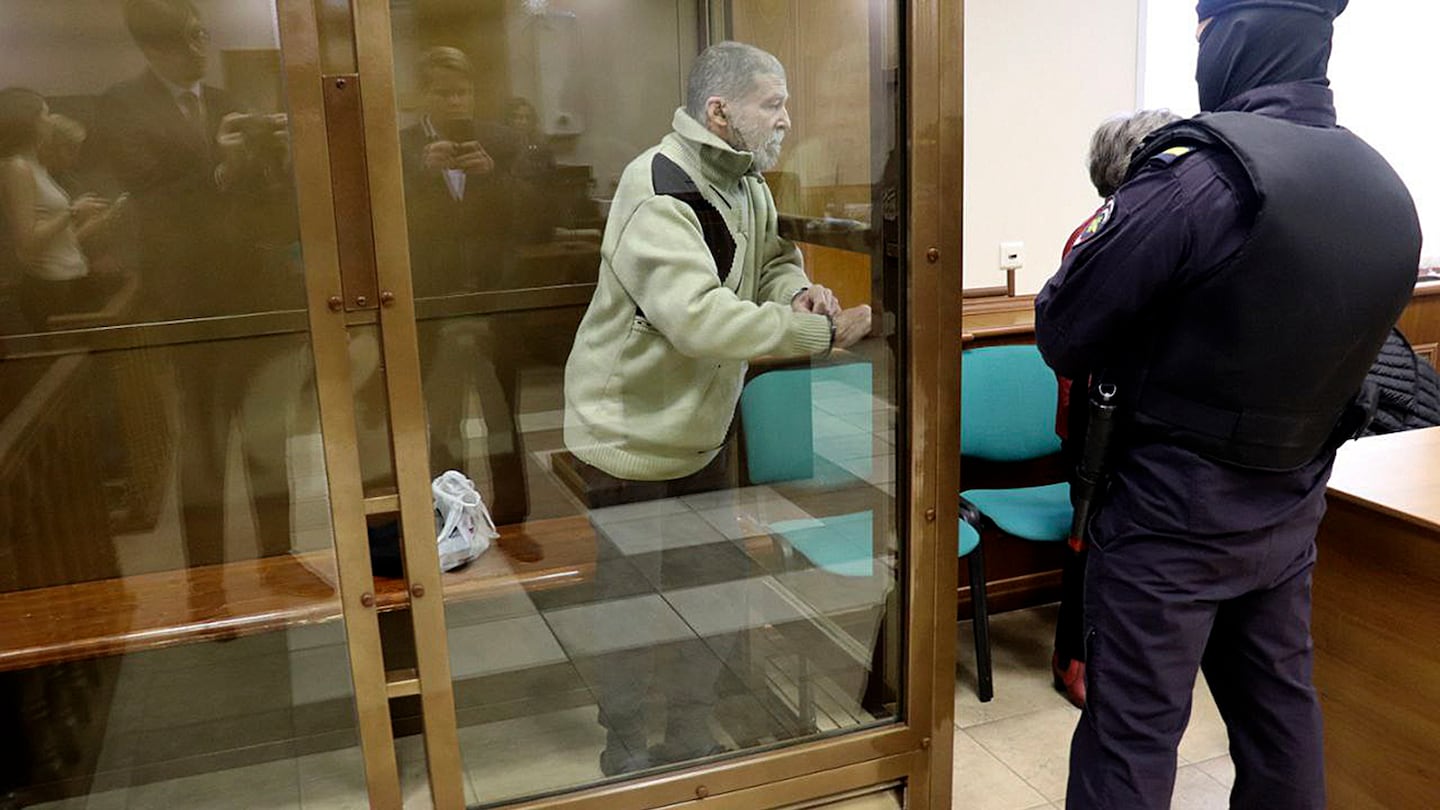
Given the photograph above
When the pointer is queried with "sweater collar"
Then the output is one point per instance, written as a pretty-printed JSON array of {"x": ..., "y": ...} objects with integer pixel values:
[{"x": 720, "y": 162}]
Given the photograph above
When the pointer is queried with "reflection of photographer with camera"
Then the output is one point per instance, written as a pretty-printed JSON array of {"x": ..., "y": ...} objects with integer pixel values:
[
  {"x": 458, "y": 203},
  {"x": 254, "y": 146},
  {"x": 456, "y": 200},
  {"x": 215, "y": 235}
]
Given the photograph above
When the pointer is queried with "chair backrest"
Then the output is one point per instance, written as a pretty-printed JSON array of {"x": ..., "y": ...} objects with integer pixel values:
[
  {"x": 775, "y": 416},
  {"x": 1007, "y": 404},
  {"x": 779, "y": 412}
]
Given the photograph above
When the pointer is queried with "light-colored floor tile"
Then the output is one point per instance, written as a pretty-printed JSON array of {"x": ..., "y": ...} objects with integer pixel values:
[
  {"x": 306, "y": 636},
  {"x": 982, "y": 782},
  {"x": 829, "y": 426},
  {"x": 865, "y": 420},
  {"x": 864, "y": 444},
  {"x": 502, "y": 646},
  {"x": 1195, "y": 790},
  {"x": 855, "y": 402},
  {"x": 676, "y": 530},
  {"x": 752, "y": 520},
  {"x": 198, "y": 694},
  {"x": 528, "y": 755},
  {"x": 271, "y": 785},
  {"x": 410, "y": 748},
  {"x": 619, "y": 625},
  {"x": 1020, "y": 643},
  {"x": 542, "y": 420},
  {"x": 743, "y": 496},
  {"x": 319, "y": 674},
  {"x": 1221, "y": 769},
  {"x": 333, "y": 780},
  {"x": 878, "y": 469},
  {"x": 508, "y": 602},
  {"x": 730, "y": 606},
  {"x": 1034, "y": 745},
  {"x": 635, "y": 511},
  {"x": 828, "y": 593},
  {"x": 415, "y": 786},
  {"x": 1205, "y": 737}
]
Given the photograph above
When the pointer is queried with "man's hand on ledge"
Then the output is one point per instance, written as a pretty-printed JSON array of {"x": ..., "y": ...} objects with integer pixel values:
[
  {"x": 851, "y": 326},
  {"x": 816, "y": 299}
]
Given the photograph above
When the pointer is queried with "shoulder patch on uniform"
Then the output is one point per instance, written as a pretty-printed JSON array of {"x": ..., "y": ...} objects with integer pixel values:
[
  {"x": 669, "y": 180},
  {"x": 1096, "y": 224},
  {"x": 1172, "y": 154}
]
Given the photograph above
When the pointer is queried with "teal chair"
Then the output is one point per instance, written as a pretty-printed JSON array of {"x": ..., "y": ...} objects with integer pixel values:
[
  {"x": 1007, "y": 414},
  {"x": 777, "y": 430}
]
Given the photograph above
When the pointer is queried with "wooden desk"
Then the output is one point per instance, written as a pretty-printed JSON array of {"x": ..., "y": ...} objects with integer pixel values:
[
  {"x": 1377, "y": 610},
  {"x": 998, "y": 321}
]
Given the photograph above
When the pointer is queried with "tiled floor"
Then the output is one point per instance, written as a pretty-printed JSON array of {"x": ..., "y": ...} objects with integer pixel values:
[
  {"x": 686, "y": 591},
  {"x": 1012, "y": 752}
]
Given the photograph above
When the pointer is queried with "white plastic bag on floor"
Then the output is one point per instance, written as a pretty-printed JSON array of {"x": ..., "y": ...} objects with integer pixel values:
[{"x": 463, "y": 526}]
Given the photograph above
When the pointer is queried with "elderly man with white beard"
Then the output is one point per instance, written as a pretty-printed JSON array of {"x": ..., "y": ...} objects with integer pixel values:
[{"x": 695, "y": 281}]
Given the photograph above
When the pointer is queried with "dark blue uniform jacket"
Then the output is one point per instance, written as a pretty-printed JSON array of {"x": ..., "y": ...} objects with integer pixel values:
[{"x": 1174, "y": 222}]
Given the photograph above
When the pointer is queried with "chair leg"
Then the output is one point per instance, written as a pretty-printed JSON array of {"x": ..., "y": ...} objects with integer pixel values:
[
  {"x": 986, "y": 685},
  {"x": 806, "y": 695}
]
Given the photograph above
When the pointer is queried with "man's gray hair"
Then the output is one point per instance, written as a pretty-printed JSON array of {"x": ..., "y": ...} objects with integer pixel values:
[
  {"x": 1115, "y": 142},
  {"x": 727, "y": 70}
]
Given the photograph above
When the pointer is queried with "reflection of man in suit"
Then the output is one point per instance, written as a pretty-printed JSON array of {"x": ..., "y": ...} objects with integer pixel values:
[
  {"x": 458, "y": 178},
  {"x": 199, "y": 172}
]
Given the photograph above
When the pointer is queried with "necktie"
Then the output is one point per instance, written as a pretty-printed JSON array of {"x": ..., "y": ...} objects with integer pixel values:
[{"x": 190, "y": 105}]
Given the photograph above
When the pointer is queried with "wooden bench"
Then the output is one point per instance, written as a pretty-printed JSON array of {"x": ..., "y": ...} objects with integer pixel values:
[{"x": 164, "y": 609}]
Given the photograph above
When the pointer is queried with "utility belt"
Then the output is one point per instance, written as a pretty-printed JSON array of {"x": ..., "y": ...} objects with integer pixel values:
[{"x": 1103, "y": 415}]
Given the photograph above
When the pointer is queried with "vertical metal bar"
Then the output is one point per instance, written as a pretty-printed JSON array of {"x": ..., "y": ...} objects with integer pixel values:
[
  {"x": 936, "y": 44},
  {"x": 329, "y": 346},
  {"x": 408, "y": 429},
  {"x": 344, "y": 122}
]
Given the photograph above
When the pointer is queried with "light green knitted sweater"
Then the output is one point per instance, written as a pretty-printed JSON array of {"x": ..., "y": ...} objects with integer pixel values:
[{"x": 658, "y": 361}]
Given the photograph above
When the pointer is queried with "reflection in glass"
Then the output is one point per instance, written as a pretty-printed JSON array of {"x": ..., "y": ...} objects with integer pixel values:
[
  {"x": 166, "y": 574},
  {"x": 622, "y": 622}
]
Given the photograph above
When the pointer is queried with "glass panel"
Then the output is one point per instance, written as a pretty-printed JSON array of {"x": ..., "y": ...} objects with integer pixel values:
[
  {"x": 167, "y": 576},
  {"x": 721, "y": 571},
  {"x": 372, "y": 410}
]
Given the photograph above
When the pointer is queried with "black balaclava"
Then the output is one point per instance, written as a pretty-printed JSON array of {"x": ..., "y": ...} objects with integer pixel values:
[{"x": 1255, "y": 43}]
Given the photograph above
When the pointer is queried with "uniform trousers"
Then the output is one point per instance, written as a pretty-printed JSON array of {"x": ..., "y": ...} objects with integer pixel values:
[{"x": 1158, "y": 607}]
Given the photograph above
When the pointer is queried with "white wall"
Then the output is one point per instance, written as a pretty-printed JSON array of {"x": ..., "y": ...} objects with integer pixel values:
[
  {"x": 1039, "y": 77},
  {"x": 1382, "y": 69},
  {"x": 633, "y": 55}
]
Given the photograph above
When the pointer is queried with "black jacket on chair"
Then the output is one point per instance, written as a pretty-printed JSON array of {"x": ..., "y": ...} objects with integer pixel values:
[{"x": 1409, "y": 388}]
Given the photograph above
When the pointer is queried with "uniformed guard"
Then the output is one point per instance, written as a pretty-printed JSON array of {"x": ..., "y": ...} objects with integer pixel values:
[{"x": 1236, "y": 291}]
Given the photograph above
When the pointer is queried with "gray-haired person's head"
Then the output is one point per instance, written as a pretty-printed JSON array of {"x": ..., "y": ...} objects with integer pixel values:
[
  {"x": 738, "y": 92},
  {"x": 1115, "y": 142},
  {"x": 727, "y": 70}
]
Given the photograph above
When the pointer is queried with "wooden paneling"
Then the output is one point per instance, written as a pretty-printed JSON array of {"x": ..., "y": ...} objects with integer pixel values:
[
  {"x": 1421, "y": 322},
  {"x": 845, "y": 272},
  {"x": 825, "y": 48},
  {"x": 1377, "y": 667}
]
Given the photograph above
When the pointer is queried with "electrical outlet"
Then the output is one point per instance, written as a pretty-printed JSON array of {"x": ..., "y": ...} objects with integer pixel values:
[{"x": 1012, "y": 255}]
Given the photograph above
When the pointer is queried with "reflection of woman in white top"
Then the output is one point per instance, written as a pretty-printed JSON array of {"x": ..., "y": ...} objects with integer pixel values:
[{"x": 43, "y": 226}]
